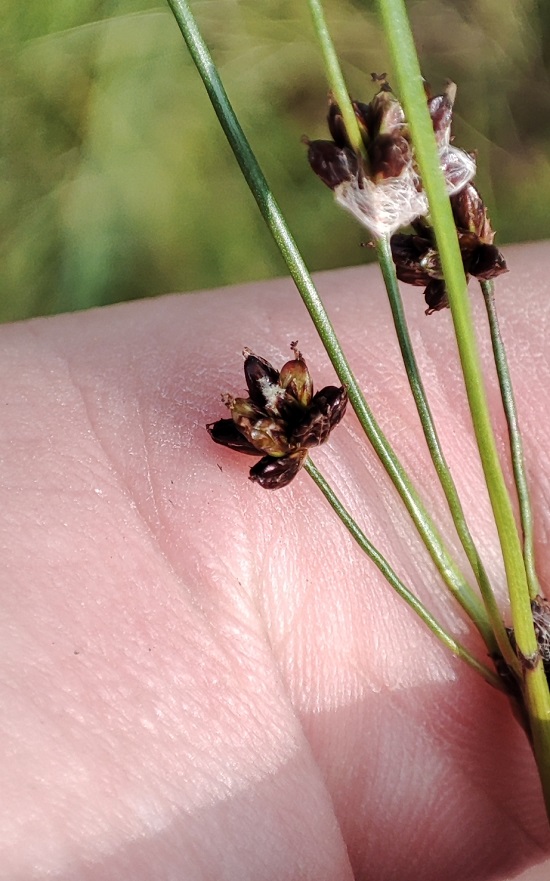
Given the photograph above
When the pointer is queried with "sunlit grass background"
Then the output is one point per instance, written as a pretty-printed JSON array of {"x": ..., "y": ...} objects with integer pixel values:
[{"x": 117, "y": 182}]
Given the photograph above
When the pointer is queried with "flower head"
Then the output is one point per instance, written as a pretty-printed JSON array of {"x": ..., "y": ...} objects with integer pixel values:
[
  {"x": 281, "y": 418},
  {"x": 417, "y": 260},
  {"x": 382, "y": 189}
]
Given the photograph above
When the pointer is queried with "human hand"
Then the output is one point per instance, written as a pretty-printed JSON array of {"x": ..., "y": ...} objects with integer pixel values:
[{"x": 206, "y": 680}]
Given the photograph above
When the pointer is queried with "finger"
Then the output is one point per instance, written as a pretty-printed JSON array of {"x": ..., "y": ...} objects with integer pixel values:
[{"x": 120, "y": 495}]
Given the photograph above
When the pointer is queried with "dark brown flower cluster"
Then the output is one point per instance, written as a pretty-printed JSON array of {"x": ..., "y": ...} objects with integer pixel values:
[
  {"x": 282, "y": 418},
  {"x": 382, "y": 188},
  {"x": 417, "y": 260}
]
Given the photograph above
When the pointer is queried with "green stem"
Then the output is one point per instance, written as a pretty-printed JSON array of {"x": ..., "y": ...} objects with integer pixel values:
[
  {"x": 272, "y": 215},
  {"x": 412, "y": 94},
  {"x": 387, "y": 266},
  {"x": 516, "y": 445},
  {"x": 535, "y": 687},
  {"x": 410, "y": 83},
  {"x": 334, "y": 75},
  {"x": 389, "y": 574}
]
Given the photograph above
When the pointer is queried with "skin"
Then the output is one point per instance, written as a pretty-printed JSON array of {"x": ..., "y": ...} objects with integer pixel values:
[{"x": 202, "y": 679}]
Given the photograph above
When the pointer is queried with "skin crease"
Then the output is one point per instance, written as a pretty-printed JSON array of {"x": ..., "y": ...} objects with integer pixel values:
[{"x": 205, "y": 680}]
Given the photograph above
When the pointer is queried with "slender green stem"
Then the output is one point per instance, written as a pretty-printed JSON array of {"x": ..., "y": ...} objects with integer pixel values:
[
  {"x": 389, "y": 574},
  {"x": 432, "y": 439},
  {"x": 535, "y": 690},
  {"x": 272, "y": 215},
  {"x": 516, "y": 445},
  {"x": 334, "y": 75},
  {"x": 409, "y": 78},
  {"x": 410, "y": 83}
]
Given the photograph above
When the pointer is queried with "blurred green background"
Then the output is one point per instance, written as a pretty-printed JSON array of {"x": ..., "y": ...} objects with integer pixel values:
[{"x": 117, "y": 182}]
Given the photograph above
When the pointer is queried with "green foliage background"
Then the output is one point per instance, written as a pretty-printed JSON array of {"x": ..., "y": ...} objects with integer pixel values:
[{"x": 117, "y": 182}]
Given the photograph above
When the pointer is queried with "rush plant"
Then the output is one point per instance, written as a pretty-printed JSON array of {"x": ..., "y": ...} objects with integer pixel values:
[{"x": 390, "y": 161}]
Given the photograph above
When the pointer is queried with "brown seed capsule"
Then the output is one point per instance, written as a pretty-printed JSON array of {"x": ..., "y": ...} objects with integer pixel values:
[
  {"x": 324, "y": 413},
  {"x": 296, "y": 378},
  {"x": 435, "y": 296},
  {"x": 276, "y": 473},
  {"x": 470, "y": 214},
  {"x": 334, "y": 165},
  {"x": 486, "y": 262},
  {"x": 259, "y": 375},
  {"x": 226, "y": 433}
]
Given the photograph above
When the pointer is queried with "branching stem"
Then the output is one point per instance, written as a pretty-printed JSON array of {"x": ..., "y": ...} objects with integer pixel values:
[
  {"x": 400, "y": 588},
  {"x": 387, "y": 266}
]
